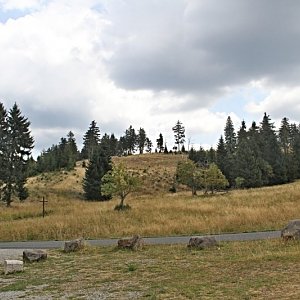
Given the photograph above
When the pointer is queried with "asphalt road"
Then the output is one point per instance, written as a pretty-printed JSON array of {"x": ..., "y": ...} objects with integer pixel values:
[{"x": 148, "y": 240}]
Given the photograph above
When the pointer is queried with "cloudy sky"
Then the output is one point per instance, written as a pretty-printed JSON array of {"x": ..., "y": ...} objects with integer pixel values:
[{"x": 149, "y": 63}]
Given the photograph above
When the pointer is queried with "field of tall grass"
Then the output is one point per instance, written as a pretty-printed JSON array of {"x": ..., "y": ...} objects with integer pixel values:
[{"x": 155, "y": 211}]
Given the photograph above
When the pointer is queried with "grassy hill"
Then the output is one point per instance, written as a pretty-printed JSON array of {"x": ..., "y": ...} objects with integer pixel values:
[
  {"x": 155, "y": 211},
  {"x": 155, "y": 170}
]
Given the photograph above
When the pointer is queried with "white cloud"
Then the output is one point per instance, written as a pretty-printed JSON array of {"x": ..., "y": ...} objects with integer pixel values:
[
  {"x": 280, "y": 102},
  {"x": 52, "y": 58},
  {"x": 147, "y": 64}
]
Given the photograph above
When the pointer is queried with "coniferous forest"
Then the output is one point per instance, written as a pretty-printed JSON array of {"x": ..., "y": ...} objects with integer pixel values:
[
  {"x": 248, "y": 157},
  {"x": 257, "y": 156}
]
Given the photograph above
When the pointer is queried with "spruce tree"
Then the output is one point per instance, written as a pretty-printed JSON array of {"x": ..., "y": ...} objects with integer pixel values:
[
  {"x": 248, "y": 170},
  {"x": 230, "y": 147},
  {"x": 160, "y": 143},
  {"x": 254, "y": 138},
  {"x": 71, "y": 151},
  {"x": 122, "y": 146},
  {"x": 179, "y": 134},
  {"x": 229, "y": 136},
  {"x": 211, "y": 155},
  {"x": 3, "y": 145},
  {"x": 221, "y": 156},
  {"x": 285, "y": 142},
  {"x": 141, "y": 140},
  {"x": 166, "y": 149},
  {"x": 91, "y": 141},
  {"x": 284, "y": 136},
  {"x": 17, "y": 144},
  {"x": 110, "y": 143},
  {"x": 271, "y": 151},
  {"x": 295, "y": 149},
  {"x": 62, "y": 154},
  {"x": 242, "y": 133},
  {"x": 98, "y": 166},
  {"x": 113, "y": 145},
  {"x": 130, "y": 140},
  {"x": 193, "y": 155},
  {"x": 148, "y": 145}
]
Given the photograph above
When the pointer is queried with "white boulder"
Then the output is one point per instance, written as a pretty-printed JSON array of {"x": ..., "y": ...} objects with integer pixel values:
[{"x": 12, "y": 266}]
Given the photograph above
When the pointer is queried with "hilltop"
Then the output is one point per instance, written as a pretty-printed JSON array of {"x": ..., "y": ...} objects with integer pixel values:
[{"x": 156, "y": 171}]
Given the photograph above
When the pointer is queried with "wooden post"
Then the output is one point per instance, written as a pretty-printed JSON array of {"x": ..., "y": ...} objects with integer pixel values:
[{"x": 44, "y": 201}]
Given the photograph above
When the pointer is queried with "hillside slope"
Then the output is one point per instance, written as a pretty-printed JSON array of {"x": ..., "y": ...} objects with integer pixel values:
[
  {"x": 155, "y": 211},
  {"x": 156, "y": 171}
]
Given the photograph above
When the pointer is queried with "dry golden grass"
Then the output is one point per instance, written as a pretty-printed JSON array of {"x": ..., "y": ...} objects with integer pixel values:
[{"x": 154, "y": 212}]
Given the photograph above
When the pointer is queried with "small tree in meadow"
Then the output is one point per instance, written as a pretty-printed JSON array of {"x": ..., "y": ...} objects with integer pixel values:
[
  {"x": 190, "y": 174},
  {"x": 214, "y": 179},
  {"x": 119, "y": 182}
]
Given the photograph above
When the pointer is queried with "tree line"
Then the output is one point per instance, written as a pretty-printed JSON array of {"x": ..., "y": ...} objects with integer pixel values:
[
  {"x": 251, "y": 157},
  {"x": 257, "y": 156},
  {"x": 66, "y": 153},
  {"x": 17, "y": 163}
]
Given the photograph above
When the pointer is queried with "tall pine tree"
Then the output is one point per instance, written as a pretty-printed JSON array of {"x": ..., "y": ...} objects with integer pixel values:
[
  {"x": 16, "y": 146},
  {"x": 179, "y": 134},
  {"x": 99, "y": 165},
  {"x": 3, "y": 145},
  {"x": 160, "y": 143},
  {"x": 271, "y": 152},
  {"x": 221, "y": 156},
  {"x": 285, "y": 142},
  {"x": 71, "y": 150},
  {"x": 141, "y": 140},
  {"x": 295, "y": 148},
  {"x": 230, "y": 147},
  {"x": 248, "y": 171},
  {"x": 91, "y": 141},
  {"x": 130, "y": 140}
]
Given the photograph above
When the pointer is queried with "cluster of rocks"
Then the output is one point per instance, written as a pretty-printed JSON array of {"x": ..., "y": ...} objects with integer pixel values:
[
  {"x": 37, "y": 255},
  {"x": 290, "y": 232},
  {"x": 29, "y": 256}
]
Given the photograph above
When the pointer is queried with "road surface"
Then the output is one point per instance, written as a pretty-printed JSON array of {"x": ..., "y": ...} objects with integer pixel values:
[{"x": 148, "y": 240}]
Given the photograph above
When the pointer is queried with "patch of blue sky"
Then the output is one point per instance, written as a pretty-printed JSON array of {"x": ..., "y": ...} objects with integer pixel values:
[
  {"x": 236, "y": 102},
  {"x": 99, "y": 8},
  {"x": 21, "y": 11},
  {"x": 11, "y": 14}
]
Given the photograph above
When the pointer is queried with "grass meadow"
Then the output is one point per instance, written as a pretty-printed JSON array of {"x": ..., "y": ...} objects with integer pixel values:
[
  {"x": 266, "y": 269},
  {"x": 155, "y": 211},
  {"x": 237, "y": 270}
]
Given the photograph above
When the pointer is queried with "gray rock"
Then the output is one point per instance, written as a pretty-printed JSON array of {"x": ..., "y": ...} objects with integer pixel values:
[
  {"x": 34, "y": 255},
  {"x": 74, "y": 245},
  {"x": 202, "y": 242},
  {"x": 135, "y": 243},
  {"x": 12, "y": 266},
  {"x": 291, "y": 231}
]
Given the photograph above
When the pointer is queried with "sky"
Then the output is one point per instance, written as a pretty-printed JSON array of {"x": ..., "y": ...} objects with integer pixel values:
[{"x": 149, "y": 63}]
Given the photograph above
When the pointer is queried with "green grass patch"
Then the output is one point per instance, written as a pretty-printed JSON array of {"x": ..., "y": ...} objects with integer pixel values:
[
  {"x": 19, "y": 285},
  {"x": 237, "y": 270}
]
